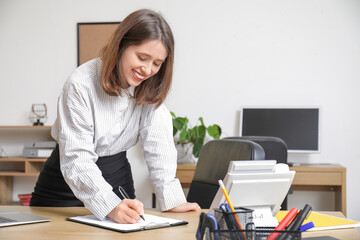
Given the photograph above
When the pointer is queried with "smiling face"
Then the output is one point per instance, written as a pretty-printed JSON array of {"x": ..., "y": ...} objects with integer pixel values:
[{"x": 140, "y": 62}]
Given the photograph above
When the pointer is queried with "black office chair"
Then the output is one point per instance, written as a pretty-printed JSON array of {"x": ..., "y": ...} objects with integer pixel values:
[
  {"x": 213, "y": 164},
  {"x": 275, "y": 149}
]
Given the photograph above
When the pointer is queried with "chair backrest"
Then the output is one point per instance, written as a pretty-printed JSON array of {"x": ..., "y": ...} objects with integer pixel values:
[
  {"x": 213, "y": 164},
  {"x": 275, "y": 148}
]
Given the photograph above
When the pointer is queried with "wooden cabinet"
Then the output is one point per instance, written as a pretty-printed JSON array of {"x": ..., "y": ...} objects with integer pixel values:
[
  {"x": 12, "y": 139},
  {"x": 322, "y": 177}
]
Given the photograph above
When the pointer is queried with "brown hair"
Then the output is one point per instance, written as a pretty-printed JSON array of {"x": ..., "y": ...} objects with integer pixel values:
[{"x": 138, "y": 26}]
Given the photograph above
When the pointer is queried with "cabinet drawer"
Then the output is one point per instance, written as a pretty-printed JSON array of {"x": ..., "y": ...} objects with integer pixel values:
[{"x": 318, "y": 178}]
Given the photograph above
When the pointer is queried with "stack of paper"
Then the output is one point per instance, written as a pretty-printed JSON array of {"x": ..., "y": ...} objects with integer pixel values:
[{"x": 324, "y": 221}]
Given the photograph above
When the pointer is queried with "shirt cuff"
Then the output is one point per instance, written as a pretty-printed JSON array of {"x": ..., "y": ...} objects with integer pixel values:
[
  {"x": 171, "y": 196},
  {"x": 102, "y": 206}
]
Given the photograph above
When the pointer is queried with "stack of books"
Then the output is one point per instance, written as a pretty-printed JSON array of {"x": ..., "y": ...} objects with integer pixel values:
[
  {"x": 25, "y": 199},
  {"x": 38, "y": 149}
]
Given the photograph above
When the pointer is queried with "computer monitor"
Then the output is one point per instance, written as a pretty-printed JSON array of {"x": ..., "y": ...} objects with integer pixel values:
[
  {"x": 299, "y": 127},
  {"x": 256, "y": 188}
]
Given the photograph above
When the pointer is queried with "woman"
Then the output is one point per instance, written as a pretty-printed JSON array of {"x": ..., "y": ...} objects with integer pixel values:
[{"x": 106, "y": 106}]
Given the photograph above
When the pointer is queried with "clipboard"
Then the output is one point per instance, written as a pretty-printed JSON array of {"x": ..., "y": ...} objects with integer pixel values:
[{"x": 152, "y": 222}]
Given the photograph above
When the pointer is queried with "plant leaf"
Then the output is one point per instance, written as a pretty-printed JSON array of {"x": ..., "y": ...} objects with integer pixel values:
[
  {"x": 214, "y": 131},
  {"x": 197, "y": 146},
  {"x": 192, "y": 135},
  {"x": 177, "y": 124},
  {"x": 199, "y": 132},
  {"x": 201, "y": 121},
  {"x": 195, "y": 135},
  {"x": 184, "y": 135},
  {"x": 174, "y": 130}
]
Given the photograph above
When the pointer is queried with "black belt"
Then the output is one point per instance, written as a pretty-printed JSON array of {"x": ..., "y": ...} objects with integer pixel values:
[{"x": 52, "y": 190}]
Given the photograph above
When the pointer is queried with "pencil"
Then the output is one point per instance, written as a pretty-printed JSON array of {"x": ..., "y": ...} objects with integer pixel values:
[{"x": 230, "y": 204}]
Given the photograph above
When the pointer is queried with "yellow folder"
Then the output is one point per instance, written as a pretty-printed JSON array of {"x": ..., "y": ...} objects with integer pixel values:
[{"x": 324, "y": 221}]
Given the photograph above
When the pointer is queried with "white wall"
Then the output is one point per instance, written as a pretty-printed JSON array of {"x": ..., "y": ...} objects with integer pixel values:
[{"x": 228, "y": 54}]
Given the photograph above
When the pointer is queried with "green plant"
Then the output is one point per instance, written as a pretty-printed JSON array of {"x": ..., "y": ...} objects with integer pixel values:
[{"x": 195, "y": 135}]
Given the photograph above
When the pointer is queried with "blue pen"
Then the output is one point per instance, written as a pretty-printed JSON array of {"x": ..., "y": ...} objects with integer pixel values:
[
  {"x": 307, "y": 226},
  {"x": 230, "y": 223},
  {"x": 233, "y": 221}
]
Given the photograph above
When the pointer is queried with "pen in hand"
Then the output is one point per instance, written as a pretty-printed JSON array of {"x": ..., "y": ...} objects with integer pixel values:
[{"x": 126, "y": 196}]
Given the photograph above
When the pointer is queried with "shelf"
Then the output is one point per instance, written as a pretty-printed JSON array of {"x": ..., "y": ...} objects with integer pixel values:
[
  {"x": 28, "y": 127},
  {"x": 21, "y": 166},
  {"x": 12, "y": 139},
  {"x": 21, "y": 159}
]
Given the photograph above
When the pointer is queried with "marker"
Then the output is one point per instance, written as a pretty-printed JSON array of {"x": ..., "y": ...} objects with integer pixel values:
[
  {"x": 230, "y": 204},
  {"x": 126, "y": 196},
  {"x": 302, "y": 216},
  {"x": 285, "y": 236},
  {"x": 292, "y": 213}
]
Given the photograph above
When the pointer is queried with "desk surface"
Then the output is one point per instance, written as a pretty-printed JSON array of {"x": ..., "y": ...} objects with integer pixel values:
[{"x": 59, "y": 228}]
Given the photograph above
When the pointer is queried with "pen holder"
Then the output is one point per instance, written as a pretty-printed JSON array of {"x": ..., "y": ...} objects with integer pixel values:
[
  {"x": 263, "y": 233},
  {"x": 226, "y": 220},
  {"x": 228, "y": 230}
]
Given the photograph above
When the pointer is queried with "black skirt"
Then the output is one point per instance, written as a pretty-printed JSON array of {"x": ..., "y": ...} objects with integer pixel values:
[{"x": 52, "y": 190}]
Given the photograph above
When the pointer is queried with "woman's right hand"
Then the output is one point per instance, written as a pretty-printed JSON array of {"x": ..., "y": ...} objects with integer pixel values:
[{"x": 128, "y": 211}]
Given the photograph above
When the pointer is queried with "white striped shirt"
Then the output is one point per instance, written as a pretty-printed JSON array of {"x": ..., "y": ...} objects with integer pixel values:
[{"x": 91, "y": 124}]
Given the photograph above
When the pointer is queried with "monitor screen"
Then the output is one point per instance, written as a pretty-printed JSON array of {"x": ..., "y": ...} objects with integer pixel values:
[{"x": 298, "y": 127}]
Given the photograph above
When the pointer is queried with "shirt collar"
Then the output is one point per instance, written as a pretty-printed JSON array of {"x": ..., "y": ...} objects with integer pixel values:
[{"x": 131, "y": 91}]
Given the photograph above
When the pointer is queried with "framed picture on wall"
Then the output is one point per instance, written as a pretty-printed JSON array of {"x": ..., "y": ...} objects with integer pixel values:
[{"x": 92, "y": 37}]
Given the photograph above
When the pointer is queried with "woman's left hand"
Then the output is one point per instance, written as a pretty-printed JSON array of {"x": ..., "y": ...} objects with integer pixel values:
[{"x": 186, "y": 207}]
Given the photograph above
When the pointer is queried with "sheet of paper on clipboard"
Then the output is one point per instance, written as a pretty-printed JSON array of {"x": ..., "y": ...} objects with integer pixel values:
[{"x": 151, "y": 222}]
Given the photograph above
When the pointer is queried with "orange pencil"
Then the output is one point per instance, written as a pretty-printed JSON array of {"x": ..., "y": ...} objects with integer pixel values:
[{"x": 230, "y": 204}]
